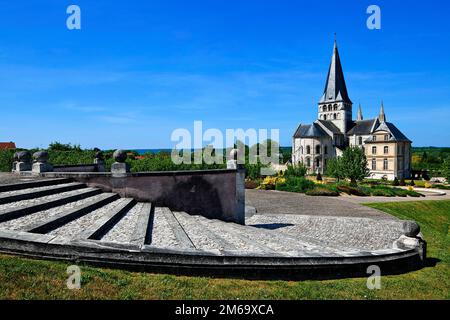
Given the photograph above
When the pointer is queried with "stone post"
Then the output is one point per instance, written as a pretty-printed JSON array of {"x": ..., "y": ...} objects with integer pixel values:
[
  {"x": 99, "y": 160},
  {"x": 233, "y": 164},
  {"x": 120, "y": 168},
  {"x": 16, "y": 160},
  {"x": 41, "y": 162},
  {"x": 23, "y": 162}
]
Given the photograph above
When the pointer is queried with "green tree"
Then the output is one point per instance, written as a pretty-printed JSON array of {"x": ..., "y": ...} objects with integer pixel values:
[
  {"x": 445, "y": 169},
  {"x": 334, "y": 169},
  {"x": 354, "y": 164}
]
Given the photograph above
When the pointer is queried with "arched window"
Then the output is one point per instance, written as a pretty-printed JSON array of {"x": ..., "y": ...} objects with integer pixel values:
[
  {"x": 324, "y": 117},
  {"x": 386, "y": 150},
  {"x": 308, "y": 150},
  {"x": 360, "y": 140},
  {"x": 334, "y": 116},
  {"x": 335, "y": 107},
  {"x": 308, "y": 162},
  {"x": 374, "y": 150},
  {"x": 330, "y": 107},
  {"x": 317, "y": 162},
  {"x": 385, "y": 164},
  {"x": 318, "y": 149},
  {"x": 325, "y": 149},
  {"x": 374, "y": 164}
]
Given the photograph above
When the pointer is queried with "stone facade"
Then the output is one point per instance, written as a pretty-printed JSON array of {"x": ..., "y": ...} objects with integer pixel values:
[{"x": 387, "y": 149}]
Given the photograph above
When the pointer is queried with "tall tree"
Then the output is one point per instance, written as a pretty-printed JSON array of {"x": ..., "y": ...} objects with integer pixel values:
[{"x": 354, "y": 164}]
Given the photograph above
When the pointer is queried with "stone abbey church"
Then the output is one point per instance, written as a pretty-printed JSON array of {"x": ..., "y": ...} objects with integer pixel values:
[{"x": 387, "y": 149}]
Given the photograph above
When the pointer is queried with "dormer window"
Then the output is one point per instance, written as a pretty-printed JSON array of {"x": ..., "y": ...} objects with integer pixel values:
[
  {"x": 386, "y": 137},
  {"x": 374, "y": 138}
]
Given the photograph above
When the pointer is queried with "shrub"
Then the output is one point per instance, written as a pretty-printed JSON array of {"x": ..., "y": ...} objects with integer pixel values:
[
  {"x": 319, "y": 177},
  {"x": 298, "y": 170},
  {"x": 351, "y": 190},
  {"x": 6, "y": 160},
  {"x": 412, "y": 183},
  {"x": 402, "y": 182},
  {"x": 251, "y": 184},
  {"x": 296, "y": 184},
  {"x": 321, "y": 191}
]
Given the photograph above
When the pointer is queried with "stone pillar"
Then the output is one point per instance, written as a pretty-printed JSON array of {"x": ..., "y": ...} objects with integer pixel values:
[
  {"x": 120, "y": 168},
  {"x": 41, "y": 162},
  {"x": 99, "y": 160},
  {"x": 15, "y": 161},
  {"x": 23, "y": 162},
  {"x": 233, "y": 164}
]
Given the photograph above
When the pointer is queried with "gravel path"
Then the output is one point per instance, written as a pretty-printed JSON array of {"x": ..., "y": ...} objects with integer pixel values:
[{"x": 123, "y": 230}]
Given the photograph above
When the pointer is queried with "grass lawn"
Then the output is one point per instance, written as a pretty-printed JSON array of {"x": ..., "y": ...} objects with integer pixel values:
[{"x": 33, "y": 279}]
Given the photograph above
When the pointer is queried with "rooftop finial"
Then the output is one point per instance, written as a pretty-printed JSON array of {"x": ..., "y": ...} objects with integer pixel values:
[
  {"x": 360, "y": 115},
  {"x": 382, "y": 116}
]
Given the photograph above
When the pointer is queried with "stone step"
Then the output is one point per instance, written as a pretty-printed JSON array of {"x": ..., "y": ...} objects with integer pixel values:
[
  {"x": 44, "y": 204},
  {"x": 107, "y": 221},
  {"x": 69, "y": 215},
  {"x": 168, "y": 232},
  {"x": 33, "y": 184},
  {"x": 202, "y": 237},
  {"x": 32, "y": 193},
  {"x": 274, "y": 241},
  {"x": 143, "y": 230},
  {"x": 236, "y": 234}
]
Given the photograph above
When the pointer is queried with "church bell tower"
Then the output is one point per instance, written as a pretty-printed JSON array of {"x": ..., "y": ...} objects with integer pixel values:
[{"x": 335, "y": 105}]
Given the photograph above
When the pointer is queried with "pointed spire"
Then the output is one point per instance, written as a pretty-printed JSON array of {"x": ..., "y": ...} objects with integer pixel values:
[
  {"x": 360, "y": 115},
  {"x": 335, "y": 87},
  {"x": 382, "y": 116}
]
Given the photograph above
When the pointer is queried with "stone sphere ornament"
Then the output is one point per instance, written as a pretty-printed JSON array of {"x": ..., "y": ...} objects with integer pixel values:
[
  {"x": 41, "y": 156},
  {"x": 411, "y": 228},
  {"x": 120, "y": 156},
  {"x": 23, "y": 156}
]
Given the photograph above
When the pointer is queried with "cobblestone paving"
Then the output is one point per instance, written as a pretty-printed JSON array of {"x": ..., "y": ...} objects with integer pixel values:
[
  {"x": 340, "y": 233},
  {"x": 279, "y": 202},
  {"x": 123, "y": 230}
]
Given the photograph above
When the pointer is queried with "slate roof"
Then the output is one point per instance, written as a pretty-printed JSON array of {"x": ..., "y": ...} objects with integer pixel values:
[
  {"x": 396, "y": 134},
  {"x": 330, "y": 126},
  {"x": 361, "y": 128},
  {"x": 335, "y": 87},
  {"x": 310, "y": 131}
]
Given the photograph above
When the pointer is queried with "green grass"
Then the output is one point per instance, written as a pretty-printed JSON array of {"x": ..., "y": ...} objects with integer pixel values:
[{"x": 22, "y": 278}]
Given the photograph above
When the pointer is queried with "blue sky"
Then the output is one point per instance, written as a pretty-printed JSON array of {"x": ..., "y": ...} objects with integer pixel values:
[{"x": 137, "y": 70}]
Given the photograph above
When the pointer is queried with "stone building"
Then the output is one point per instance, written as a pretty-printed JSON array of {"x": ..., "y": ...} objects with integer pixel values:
[{"x": 387, "y": 149}]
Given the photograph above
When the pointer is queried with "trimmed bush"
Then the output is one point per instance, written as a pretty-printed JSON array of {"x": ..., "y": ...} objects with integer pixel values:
[
  {"x": 402, "y": 182},
  {"x": 319, "y": 177}
]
